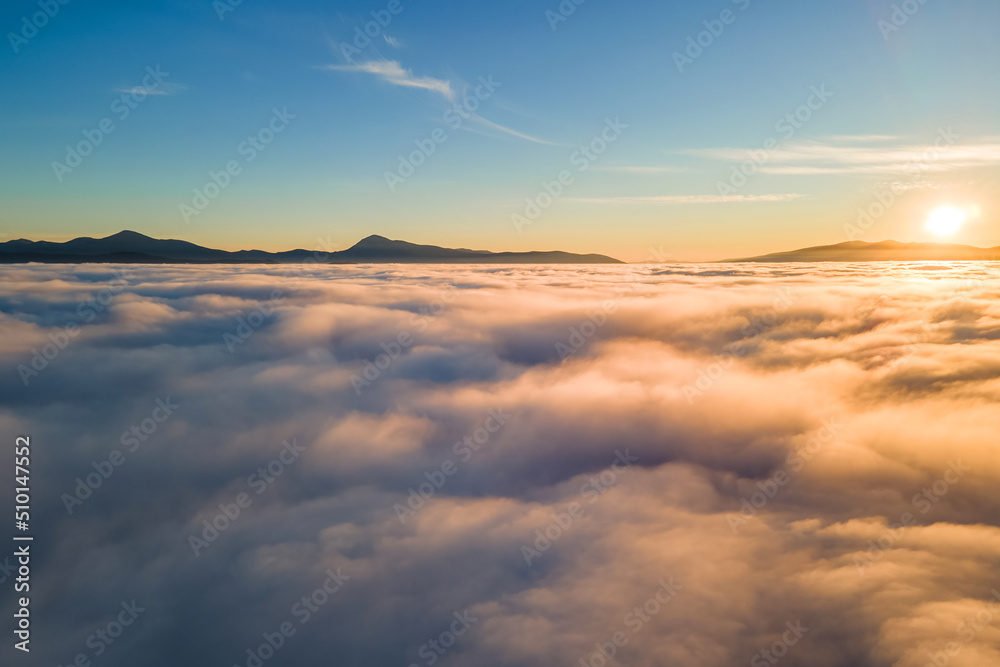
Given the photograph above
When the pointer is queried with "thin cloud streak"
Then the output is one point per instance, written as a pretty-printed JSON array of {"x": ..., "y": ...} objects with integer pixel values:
[
  {"x": 507, "y": 130},
  {"x": 642, "y": 170},
  {"x": 862, "y": 137},
  {"x": 392, "y": 72},
  {"x": 160, "y": 89},
  {"x": 690, "y": 199},
  {"x": 824, "y": 158}
]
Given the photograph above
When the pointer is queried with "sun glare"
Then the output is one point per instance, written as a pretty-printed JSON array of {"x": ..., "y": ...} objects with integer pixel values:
[{"x": 946, "y": 221}]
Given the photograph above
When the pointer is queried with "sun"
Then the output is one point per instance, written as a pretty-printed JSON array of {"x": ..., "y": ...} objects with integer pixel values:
[{"x": 946, "y": 221}]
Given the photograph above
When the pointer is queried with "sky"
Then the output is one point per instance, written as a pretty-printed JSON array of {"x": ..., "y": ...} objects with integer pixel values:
[{"x": 599, "y": 127}]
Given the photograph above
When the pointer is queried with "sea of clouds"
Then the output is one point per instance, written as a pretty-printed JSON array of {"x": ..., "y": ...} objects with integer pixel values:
[{"x": 647, "y": 465}]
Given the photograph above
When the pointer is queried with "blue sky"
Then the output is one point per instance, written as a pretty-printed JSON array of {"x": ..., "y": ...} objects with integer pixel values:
[{"x": 888, "y": 95}]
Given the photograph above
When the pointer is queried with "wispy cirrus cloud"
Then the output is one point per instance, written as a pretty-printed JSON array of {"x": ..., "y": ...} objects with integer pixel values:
[
  {"x": 905, "y": 186},
  {"x": 642, "y": 170},
  {"x": 159, "y": 89},
  {"x": 862, "y": 137},
  {"x": 392, "y": 72},
  {"x": 690, "y": 199},
  {"x": 506, "y": 130},
  {"x": 867, "y": 154}
]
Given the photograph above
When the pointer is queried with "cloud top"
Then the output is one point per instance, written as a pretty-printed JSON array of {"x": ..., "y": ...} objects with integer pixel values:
[{"x": 704, "y": 458}]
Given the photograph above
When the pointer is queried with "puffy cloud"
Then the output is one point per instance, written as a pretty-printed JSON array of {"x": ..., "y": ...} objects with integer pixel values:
[{"x": 531, "y": 455}]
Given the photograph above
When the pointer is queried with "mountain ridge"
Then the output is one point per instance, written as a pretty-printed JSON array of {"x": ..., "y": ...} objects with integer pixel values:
[
  {"x": 880, "y": 251},
  {"x": 128, "y": 246}
]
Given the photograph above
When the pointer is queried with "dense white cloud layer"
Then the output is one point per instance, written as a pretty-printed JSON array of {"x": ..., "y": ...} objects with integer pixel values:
[{"x": 771, "y": 444}]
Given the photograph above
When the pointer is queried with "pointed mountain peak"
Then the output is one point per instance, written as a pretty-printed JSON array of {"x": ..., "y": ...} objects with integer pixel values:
[{"x": 376, "y": 241}]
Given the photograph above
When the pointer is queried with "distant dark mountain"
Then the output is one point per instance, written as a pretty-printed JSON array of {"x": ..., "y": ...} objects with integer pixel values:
[
  {"x": 374, "y": 248},
  {"x": 134, "y": 248},
  {"x": 380, "y": 249},
  {"x": 884, "y": 251}
]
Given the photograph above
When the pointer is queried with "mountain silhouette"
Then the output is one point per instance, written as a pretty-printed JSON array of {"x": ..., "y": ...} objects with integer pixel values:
[
  {"x": 883, "y": 251},
  {"x": 133, "y": 247}
]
